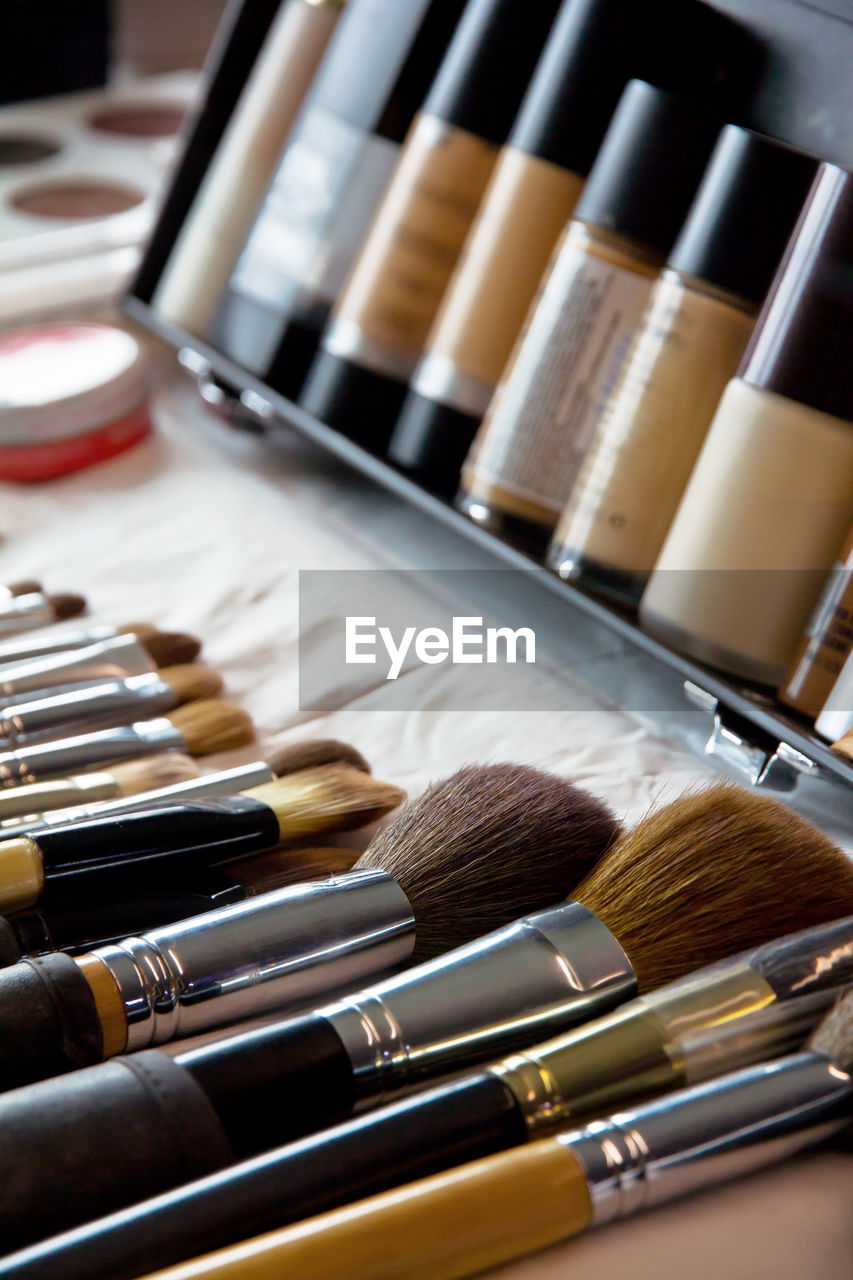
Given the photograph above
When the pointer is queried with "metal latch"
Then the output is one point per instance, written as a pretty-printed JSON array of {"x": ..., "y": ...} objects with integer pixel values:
[
  {"x": 753, "y": 753},
  {"x": 242, "y": 410}
]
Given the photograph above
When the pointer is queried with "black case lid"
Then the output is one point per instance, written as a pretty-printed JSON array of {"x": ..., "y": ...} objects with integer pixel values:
[
  {"x": 382, "y": 60},
  {"x": 649, "y": 166},
  {"x": 802, "y": 344},
  {"x": 597, "y": 46},
  {"x": 744, "y": 212},
  {"x": 489, "y": 64}
]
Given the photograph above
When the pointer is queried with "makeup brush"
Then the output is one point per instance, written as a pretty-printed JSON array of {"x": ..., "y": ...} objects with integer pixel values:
[
  {"x": 100, "y": 704},
  {"x": 106, "y": 660},
  {"x": 197, "y": 728},
  {"x": 488, "y": 1212},
  {"x": 734, "y": 867},
  {"x": 22, "y": 612},
  {"x": 121, "y": 784},
  {"x": 69, "y": 923},
  {"x": 24, "y": 587},
  {"x": 157, "y": 837},
  {"x": 166, "y": 648}
]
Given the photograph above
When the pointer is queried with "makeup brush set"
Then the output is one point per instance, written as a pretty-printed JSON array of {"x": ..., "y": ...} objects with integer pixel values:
[{"x": 506, "y": 1020}]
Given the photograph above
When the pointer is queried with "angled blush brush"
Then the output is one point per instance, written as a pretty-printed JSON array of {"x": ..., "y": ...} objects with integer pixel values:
[
  {"x": 198, "y": 728},
  {"x": 715, "y": 872},
  {"x": 493, "y": 1210},
  {"x": 24, "y": 611}
]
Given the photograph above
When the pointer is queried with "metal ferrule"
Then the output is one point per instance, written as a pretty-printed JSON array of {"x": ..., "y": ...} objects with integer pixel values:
[
  {"x": 78, "y": 707},
  {"x": 631, "y": 1053},
  {"x": 709, "y": 1134},
  {"x": 267, "y": 953},
  {"x": 28, "y": 648},
  {"x": 107, "y": 660},
  {"x": 20, "y": 612},
  {"x": 814, "y": 958},
  {"x": 70, "y": 755},
  {"x": 543, "y": 972}
]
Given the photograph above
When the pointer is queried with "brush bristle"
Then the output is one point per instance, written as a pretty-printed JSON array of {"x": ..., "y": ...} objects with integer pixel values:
[
  {"x": 312, "y": 754},
  {"x": 189, "y": 682},
  {"x": 714, "y": 873},
  {"x": 169, "y": 648},
  {"x": 153, "y": 772},
  {"x": 332, "y": 797},
  {"x": 26, "y": 587},
  {"x": 488, "y": 845},
  {"x": 210, "y": 726},
  {"x": 265, "y": 872},
  {"x": 66, "y": 605},
  {"x": 834, "y": 1036}
]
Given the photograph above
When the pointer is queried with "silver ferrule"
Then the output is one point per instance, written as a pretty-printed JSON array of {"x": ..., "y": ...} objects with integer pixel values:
[
  {"x": 265, "y": 954},
  {"x": 18, "y": 613},
  {"x": 710, "y": 1133},
  {"x": 107, "y": 660},
  {"x": 229, "y": 782},
  {"x": 88, "y": 750},
  {"x": 92, "y": 704},
  {"x": 526, "y": 981},
  {"x": 28, "y": 648}
]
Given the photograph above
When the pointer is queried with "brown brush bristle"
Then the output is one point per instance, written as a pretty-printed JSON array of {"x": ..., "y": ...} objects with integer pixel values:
[
  {"x": 488, "y": 845},
  {"x": 714, "y": 873},
  {"x": 312, "y": 754},
  {"x": 26, "y": 587},
  {"x": 66, "y": 605},
  {"x": 169, "y": 648},
  {"x": 210, "y": 726},
  {"x": 264, "y": 872},
  {"x": 834, "y": 1036},
  {"x": 189, "y": 682},
  {"x": 332, "y": 797},
  {"x": 844, "y": 745},
  {"x": 153, "y": 772}
]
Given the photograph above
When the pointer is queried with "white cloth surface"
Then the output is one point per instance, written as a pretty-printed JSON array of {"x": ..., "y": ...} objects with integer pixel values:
[{"x": 205, "y": 531}]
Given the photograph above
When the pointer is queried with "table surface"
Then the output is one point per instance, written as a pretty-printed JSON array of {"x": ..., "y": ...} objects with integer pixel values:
[{"x": 203, "y": 530}]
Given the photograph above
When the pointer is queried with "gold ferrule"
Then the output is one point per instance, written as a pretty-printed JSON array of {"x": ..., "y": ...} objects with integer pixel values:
[
  {"x": 21, "y": 874},
  {"x": 628, "y": 1055}
]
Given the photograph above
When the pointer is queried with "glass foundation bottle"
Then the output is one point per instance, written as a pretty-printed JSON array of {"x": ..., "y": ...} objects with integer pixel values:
[
  {"x": 377, "y": 330},
  {"x": 526, "y": 454},
  {"x": 771, "y": 496},
  {"x": 595, "y": 47},
  {"x": 825, "y": 646},
  {"x": 328, "y": 181},
  {"x": 699, "y": 320}
]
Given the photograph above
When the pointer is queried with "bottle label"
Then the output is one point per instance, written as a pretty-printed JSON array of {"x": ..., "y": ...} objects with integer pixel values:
[
  {"x": 316, "y": 213},
  {"x": 541, "y": 420},
  {"x": 403, "y": 269}
]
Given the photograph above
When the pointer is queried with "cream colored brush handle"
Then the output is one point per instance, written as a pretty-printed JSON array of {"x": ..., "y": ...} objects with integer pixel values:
[{"x": 450, "y": 1225}]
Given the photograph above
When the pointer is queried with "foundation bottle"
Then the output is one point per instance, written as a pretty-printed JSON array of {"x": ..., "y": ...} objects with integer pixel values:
[
  {"x": 699, "y": 320},
  {"x": 771, "y": 496},
  {"x": 595, "y": 48},
  {"x": 222, "y": 212},
  {"x": 825, "y": 645},
  {"x": 328, "y": 181},
  {"x": 529, "y": 447},
  {"x": 383, "y": 316}
]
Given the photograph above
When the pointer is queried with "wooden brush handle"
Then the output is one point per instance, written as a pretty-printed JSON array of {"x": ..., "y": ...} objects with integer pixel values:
[
  {"x": 49, "y": 1020},
  {"x": 446, "y": 1227},
  {"x": 471, "y": 1117}
]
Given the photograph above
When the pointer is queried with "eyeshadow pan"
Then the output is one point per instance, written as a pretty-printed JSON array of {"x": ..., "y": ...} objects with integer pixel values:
[
  {"x": 76, "y": 198},
  {"x": 20, "y": 148},
  {"x": 139, "y": 119}
]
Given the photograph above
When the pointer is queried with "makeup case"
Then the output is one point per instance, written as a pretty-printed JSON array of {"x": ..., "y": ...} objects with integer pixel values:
[{"x": 802, "y": 97}]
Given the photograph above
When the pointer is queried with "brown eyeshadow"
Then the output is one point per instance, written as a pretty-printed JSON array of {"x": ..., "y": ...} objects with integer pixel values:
[
  {"x": 75, "y": 198},
  {"x": 21, "y": 148},
  {"x": 139, "y": 119}
]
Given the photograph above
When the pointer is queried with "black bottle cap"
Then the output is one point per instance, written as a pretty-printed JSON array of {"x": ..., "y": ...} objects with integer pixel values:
[
  {"x": 488, "y": 66},
  {"x": 803, "y": 338},
  {"x": 744, "y": 212},
  {"x": 382, "y": 60},
  {"x": 597, "y": 46},
  {"x": 649, "y": 166}
]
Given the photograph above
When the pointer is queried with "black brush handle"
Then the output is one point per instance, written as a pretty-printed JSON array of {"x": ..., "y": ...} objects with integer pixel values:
[
  {"x": 474, "y": 1116},
  {"x": 212, "y": 830},
  {"x": 275, "y": 1083},
  {"x": 100, "y": 1138},
  {"x": 49, "y": 1022}
]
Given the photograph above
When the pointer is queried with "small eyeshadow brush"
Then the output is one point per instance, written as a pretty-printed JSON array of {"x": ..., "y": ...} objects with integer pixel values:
[
  {"x": 25, "y": 611},
  {"x": 111, "y": 659},
  {"x": 166, "y": 648}
]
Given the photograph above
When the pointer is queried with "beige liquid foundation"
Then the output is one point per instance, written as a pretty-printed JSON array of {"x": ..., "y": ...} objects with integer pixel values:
[
  {"x": 595, "y": 47},
  {"x": 771, "y": 496},
  {"x": 381, "y": 321},
  {"x": 694, "y": 333},
  {"x": 530, "y": 445}
]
